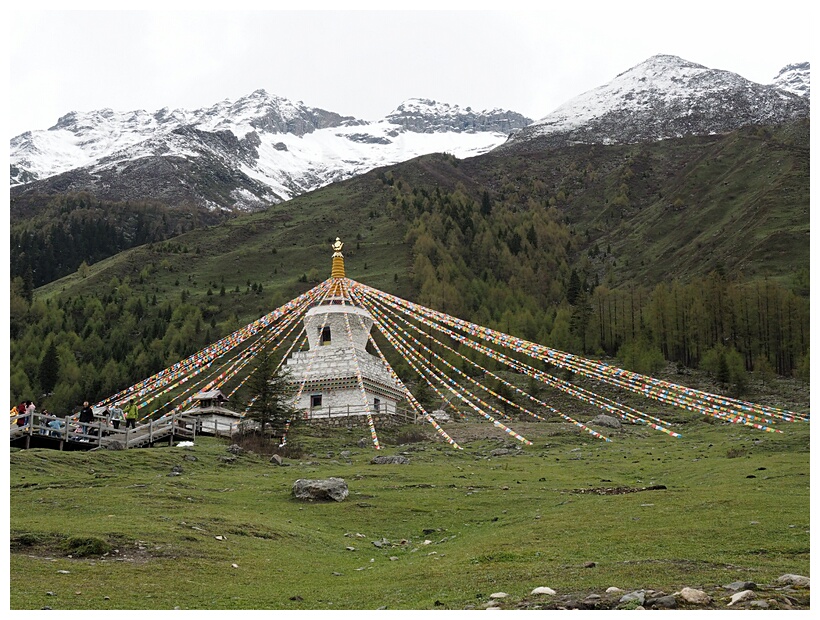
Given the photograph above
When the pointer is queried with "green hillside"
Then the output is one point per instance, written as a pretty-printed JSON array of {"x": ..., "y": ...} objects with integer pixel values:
[{"x": 690, "y": 250}]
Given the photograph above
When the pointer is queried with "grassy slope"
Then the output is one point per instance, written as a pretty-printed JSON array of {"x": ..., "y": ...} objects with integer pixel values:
[
  {"x": 505, "y": 523},
  {"x": 744, "y": 202}
]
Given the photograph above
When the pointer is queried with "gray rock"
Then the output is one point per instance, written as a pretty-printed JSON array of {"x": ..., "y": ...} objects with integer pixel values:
[
  {"x": 794, "y": 580},
  {"x": 189, "y": 457},
  {"x": 662, "y": 602},
  {"x": 760, "y": 604},
  {"x": 390, "y": 460},
  {"x": 235, "y": 449},
  {"x": 227, "y": 459},
  {"x": 177, "y": 469},
  {"x": 637, "y": 595},
  {"x": 334, "y": 489},
  {"x": 362, "y": 443},
  {"x": 276, "y": 459},
  {"x": 737, "y": 586},
  {"x": 114, "y": 445},
  {"x": 605, "y": 420},
  {"x": 345, "y": 454}
]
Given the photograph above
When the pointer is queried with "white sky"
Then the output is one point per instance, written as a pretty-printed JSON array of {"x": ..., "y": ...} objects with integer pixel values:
[{"x": 364, "y": 63}]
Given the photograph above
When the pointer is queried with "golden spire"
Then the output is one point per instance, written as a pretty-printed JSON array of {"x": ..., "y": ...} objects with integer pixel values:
[{"x": 337, "y": 269}]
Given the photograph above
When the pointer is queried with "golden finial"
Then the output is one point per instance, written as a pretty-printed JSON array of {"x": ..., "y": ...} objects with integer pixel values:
[{"x": 337, "y": 269}]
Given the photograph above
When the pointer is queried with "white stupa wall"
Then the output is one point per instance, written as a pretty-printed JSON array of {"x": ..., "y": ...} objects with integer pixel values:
[{"x": 333, "y": 317}]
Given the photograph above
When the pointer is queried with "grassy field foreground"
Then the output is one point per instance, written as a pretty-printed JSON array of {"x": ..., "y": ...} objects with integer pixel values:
[{"x": 123, "y": 530}]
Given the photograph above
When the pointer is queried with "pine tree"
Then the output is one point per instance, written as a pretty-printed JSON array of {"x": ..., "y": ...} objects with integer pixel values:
[
  {"x": 272, "y": 407},
  {"x": 49, "y": 369}
]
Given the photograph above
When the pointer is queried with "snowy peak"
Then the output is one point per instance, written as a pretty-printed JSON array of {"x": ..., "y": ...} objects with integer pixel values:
[
  {"x": 426, "y": 115},
  {"x": 663, "y": 97},
  {"x": 269, "y": 147},
  {"x": 795, "y": 79}
]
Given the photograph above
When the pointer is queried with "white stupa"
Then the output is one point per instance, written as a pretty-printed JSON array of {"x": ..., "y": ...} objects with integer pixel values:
[{"x": 337, "y": 376}]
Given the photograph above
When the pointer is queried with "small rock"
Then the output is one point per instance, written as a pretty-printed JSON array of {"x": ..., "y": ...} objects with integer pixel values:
[
  {"x": 590, "y": 565},
  {"x": 46, "y": 607},
  {"x": 741, "y": 596},
  {"x": 64, "y": 572},
  {"x": 189, "y": 457},
  {"x": 336, "y": 574},
  {"x": 760, "y": 604},
  {"x": 613, "y": 590},
  {"x": 177, "y": 468},
  {"x": 296, "y": 598},
  {"x": 592, "y": 597},
  {"x": 106, "y": 598},
  {"x": 235, "y": 449},
  {"x": 737, "y": 586},
  {"x": 693, "y": 596},
  {"x": 637, "y": 595},
  {"x": 234, "y": 565},
  {"x": 219, "y": 537},
  {"x": 345, "y": 454},
  {"x": 49, "y": 593},
  {"x": 351, "y": 548},
  {"x": 794, "y": 580},
  {"x": 393, "y": 558},
  {"x": 499, "y": 595},
  {"x": 662, "y": 602},
  {"x": 543, "y": 590},
  {"x": 276, "y": 459}
]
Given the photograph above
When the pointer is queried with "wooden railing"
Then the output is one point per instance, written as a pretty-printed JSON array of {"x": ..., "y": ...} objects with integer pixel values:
[{"x": 100, "y": 432}]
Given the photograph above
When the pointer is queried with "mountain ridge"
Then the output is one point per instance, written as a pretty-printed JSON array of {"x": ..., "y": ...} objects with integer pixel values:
[{"x": 668, "y": 97}]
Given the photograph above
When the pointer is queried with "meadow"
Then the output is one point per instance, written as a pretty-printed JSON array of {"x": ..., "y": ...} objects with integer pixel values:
[{"x": 201, "y": 528}]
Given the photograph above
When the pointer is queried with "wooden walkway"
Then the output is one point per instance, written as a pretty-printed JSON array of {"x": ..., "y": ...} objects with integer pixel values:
[{"x": 69, "y": 435}]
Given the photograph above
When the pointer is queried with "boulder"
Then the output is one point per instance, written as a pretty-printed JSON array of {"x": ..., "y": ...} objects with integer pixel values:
[
  {"x": 693, "y": 596},
  {"x": 276, "y": 459},
  {"x": 330, "y": 489},
  {"x": 114, "y": 445},
  {"x": 794, "y": 580},
  {"x": 390, "y": 460},
  {"x": 543, "y": 590}
]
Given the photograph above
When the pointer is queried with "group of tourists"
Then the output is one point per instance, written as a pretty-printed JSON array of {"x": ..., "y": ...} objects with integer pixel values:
[{"x": 115, "y": 414}]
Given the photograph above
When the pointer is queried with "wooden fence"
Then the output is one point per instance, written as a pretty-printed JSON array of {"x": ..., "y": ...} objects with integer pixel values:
[{"x": 50, "y": 430}]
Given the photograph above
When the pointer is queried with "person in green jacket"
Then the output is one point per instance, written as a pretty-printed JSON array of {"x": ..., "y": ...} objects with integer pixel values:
[{"x": 131, "y": 414}]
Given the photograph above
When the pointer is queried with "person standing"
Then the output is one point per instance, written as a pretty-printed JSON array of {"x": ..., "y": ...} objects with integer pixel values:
[
  {"x": 131, "y": 412},
  {"x": 117, "y": 415},
  {"x": 86, "y": 417}
]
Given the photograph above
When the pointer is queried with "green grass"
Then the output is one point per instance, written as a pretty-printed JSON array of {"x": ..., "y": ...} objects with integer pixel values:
[{"x": 507, "y": 523}]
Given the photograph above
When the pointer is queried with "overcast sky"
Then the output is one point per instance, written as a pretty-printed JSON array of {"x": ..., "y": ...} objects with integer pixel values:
[{"x": 364, "y": 63}]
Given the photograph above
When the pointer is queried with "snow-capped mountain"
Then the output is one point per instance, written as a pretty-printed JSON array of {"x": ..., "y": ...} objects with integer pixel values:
[
  {"x": 795, "y": 79},
  {"x": 261, "y": 148},
  {"x": 666, "y": 97}
]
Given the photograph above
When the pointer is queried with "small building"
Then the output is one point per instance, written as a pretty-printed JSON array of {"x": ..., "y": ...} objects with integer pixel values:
[{"x": 212, "y": 414}]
